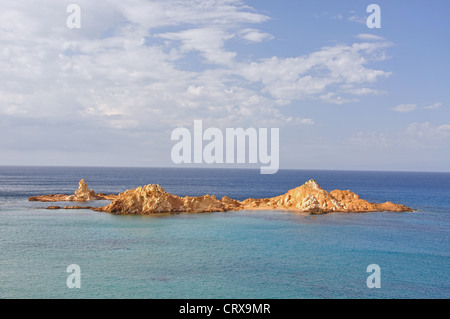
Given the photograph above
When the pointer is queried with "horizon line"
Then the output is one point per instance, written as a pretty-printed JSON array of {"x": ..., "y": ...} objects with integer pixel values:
[{"x": 224, "y": 168}]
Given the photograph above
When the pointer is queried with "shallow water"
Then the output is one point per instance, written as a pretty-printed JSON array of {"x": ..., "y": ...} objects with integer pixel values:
[{"x": 254, "y": 254}]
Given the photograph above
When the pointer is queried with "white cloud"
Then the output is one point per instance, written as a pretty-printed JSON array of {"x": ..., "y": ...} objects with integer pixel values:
[
  {"x": 163, "y": 13},
  {"x": 370, "y": 37},
  {"x": 307, "y": 121},
  {"x": 313, "y": 75},
  {"x": 370, "y": 139},
  {"x": 361, "y": 90},
  {"x": 444, "y": 130},
  {"x": 151, "y": 65},
  {"x": 331, "y": 97},
  {"x": 208, "y": 41},
  {"x": 433, "y": 106},
  {"x": 334, "y": 16},
  {"x": 416, "y": 136},
  {"x": 411, "y": 107},
  {"x": 426, "y": 130},
  {"x": 254, "y": 35},
  {"x": 404, "y": 108},
  {"x": 357, "y": 19}
]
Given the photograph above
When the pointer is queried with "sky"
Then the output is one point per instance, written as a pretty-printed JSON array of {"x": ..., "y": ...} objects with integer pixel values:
[{"x": 110, "y": 93}]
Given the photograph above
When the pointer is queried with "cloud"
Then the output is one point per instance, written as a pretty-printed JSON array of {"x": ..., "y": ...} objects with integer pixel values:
[
  {"x": 361, "y": 90},
  {"x": 334, "y": 16},
  {"x": 411, "y": 107},
  {"x": 165, "y": 13},
  {"x": 433, "y": 106},
  {"x": 370, "y": 139},
  {"x": 404, "y": 108},
  {"x": 356, "y": 18},
  {"x": 147, "y": 66},
  {"x": 369, "y": 37},
  {"x": 208, "y": 41},
  {"x": 338, "y": 16},
  {"x": 415, "y": 136},
  {"x": 314, "y": 75},
  {"x": 254, "y": 35},
  {"x": 331, "y": 97},
  {"x": 426, "y": 130}
]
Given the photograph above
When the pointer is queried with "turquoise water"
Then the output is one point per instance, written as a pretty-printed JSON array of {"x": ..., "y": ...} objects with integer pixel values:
[{"x": 259, "y": 254}]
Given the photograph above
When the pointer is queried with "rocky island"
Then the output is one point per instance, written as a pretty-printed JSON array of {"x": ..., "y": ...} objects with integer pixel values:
[
  {"x": 152, "y": 199},
  {"x": 82, "y": 194}
]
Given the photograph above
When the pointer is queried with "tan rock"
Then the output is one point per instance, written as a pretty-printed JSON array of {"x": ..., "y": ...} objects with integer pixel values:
[
  {"x": 309, "y": 197},
  {"x": 152, "y": 199},
  {"x": 82, "y": 194}
]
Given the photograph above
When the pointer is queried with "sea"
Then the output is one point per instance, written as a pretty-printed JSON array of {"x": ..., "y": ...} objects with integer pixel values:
[{"x": 223, "y": 255}]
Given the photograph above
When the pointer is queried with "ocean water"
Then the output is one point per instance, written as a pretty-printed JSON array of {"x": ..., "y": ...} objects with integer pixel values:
[{"x": 254, "y": 254}]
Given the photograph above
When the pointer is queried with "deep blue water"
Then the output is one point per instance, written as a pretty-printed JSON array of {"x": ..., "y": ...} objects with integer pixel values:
[{"x": 259, "y": 254}]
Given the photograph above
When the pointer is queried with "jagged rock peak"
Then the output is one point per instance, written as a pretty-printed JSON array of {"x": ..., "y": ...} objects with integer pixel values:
[
  {"x": 82, "y": 188},
  {"x": 313, "y": 184},
  {"x": 154, "y": 188},
  {"x": 83, "y": 193}
]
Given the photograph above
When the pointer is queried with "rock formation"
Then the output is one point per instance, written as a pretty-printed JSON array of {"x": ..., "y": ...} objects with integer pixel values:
[
  {"x": 82, "y": 194},
  {"x": 151, "y": 199},
  {"x": 309, "y": 197}
]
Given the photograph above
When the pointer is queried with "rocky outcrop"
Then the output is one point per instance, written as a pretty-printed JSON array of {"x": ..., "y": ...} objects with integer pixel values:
[
  {"x": 309, "y": 197},
  {"x": 152, "y": 199},
  {"x": 82, "y": 194}
]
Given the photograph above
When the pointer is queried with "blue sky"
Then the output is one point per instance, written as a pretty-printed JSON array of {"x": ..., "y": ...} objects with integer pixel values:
[{"x": 110, "y": 93}]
